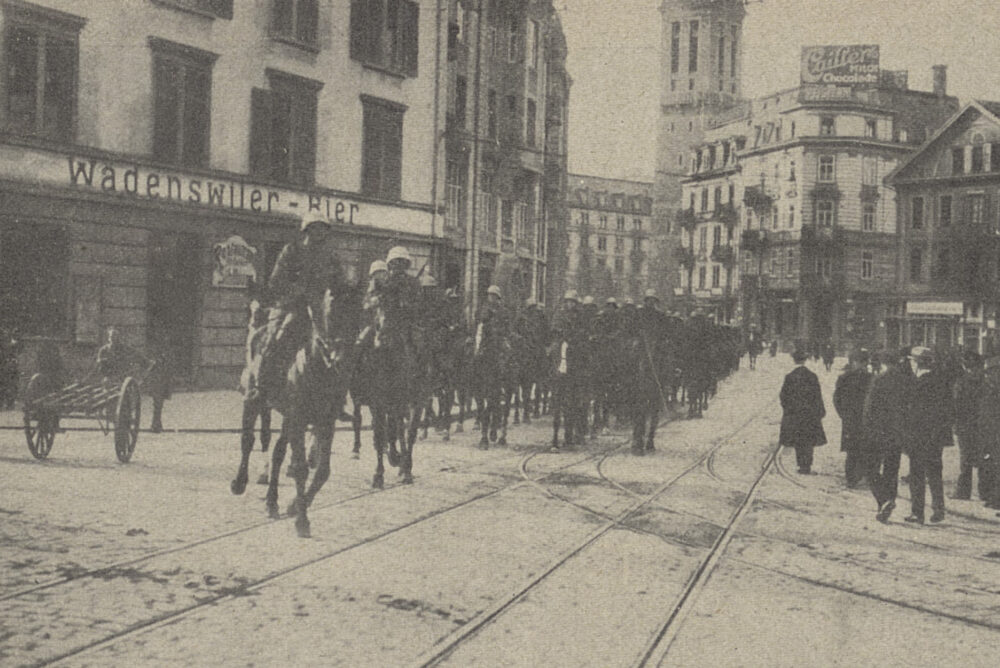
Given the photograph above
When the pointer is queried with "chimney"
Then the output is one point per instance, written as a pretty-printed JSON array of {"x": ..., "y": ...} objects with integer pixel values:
[{"x": 940, "y": 80}]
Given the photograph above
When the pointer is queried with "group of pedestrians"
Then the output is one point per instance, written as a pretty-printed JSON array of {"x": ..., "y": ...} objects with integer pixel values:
[{"x": 916, "y": 402}]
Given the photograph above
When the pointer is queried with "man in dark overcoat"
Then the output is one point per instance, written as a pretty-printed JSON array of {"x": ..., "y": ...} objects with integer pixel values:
[
  {"x": 930, "y": 424},
  {"x": 849, "y": 400},
  {"x": 886, "y": 412},
  {"x": 802, "y": 419},
  {"x": 988, "y": 431},
  {"x": 968, "y": 389}
]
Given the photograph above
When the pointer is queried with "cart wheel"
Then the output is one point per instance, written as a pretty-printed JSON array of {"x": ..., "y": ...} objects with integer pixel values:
[
  {"x": 39, "y": 426},
  {"x": 127, "y": 420}
]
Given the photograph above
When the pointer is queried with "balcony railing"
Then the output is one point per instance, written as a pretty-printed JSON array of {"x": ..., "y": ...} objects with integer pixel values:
[
  {"x": 727, "y": 215},
  {"x": 822, "y": 235},
  {"x": 754, "y": 241},
  {"x": 684, "y": 257},
  {"x": 687, "y": 219},
  {"x": 869, "y": 193},
  {"x": 757, "y": 199},
  {"x": 833, "y": 283},
  {"x": 724, "y": 255}
]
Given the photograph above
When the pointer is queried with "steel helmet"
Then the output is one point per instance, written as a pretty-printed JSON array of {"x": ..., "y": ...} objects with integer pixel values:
[
  {"x": 428, "y": 281},
  {"x": 398, "y": 253},
  {"x": 376, "y": 266},
  {"x": 494, "y": 290},
  {"x": 651, "y": 294},
  {"x": 611, "y": 301},
  {"x": 571, "y": 296},
  {"x": 629, "y": 301},
  {"x": 588, "y": 301},
  {"x": 311, "y": 217}
]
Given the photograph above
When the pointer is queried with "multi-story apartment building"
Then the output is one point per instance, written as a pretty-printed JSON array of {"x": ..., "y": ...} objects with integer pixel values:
[
  {"x": 784, "y": 208},
  {"x": 948, "y": 288},
  {"x": 505, "y": 145},
  {"x": 700, "y": 80},
  {"x": 155, "y": 156},
  {"x": 609, "y": 241}
]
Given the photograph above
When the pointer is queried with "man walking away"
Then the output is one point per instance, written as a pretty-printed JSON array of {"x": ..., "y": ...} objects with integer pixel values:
[
  {"x": 802, "y": 420},
  {"x": 158, "y": 381},
  {"x": 968, "y": 389},
  {"x": 885, "y": 426},
  {"x": 849, "y": 400},
  {"x": 930, "y": 425}
]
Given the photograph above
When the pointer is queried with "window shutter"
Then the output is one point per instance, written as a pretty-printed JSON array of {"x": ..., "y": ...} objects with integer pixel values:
[
  {"x": 261, "y": 102},
  {"x": 370, "y": 151},
  {"x": 392, "y": 155},
  {"x": 197, "y": 117},
  {"x": 411, "y": 37},
  {"x": 167, "y": 95},
  {"x": 988, "y": 212},
  {"x": 308, "y": 20},
  {"x": 304, "y": 166},
  {"x": 358, "y": 25}
]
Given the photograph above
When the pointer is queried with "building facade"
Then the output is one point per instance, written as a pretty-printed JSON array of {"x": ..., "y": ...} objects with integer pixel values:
[
  {"x": 156, "y": 155},
  {"x": 609, "y": 240},
  {"x": 700, "y": 79},
  {"x": 505, "y": 146},
  {"x": 948, "y": 248},
  {"x": 786, "y": 227}
]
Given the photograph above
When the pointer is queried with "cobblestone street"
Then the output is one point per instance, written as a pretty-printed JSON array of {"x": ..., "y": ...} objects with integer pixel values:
[{"x": 512, "y": 556}]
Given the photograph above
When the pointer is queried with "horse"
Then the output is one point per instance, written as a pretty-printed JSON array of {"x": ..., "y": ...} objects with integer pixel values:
[
  {"x": 253, "y": 407},
  {"x": 644, "y": 391},
  {"x": 456, "y": 372},
  {"x": 312, "y": 394},
  {"x": 488, "y": 385},
  {"x": 569, "y": 410}
]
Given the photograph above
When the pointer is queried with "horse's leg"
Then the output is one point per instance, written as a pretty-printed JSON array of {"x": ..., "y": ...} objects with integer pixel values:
[
  {"x": 324, "y": 444},
  {"x": 265, "y": 439},
  {"x": 406, "y": 465},
  {"x": 300, "y": 467},
  {"x": 277, "y": 458},
  {"x": 504, "y": 415},
  {"x": 654, "y": 419},
  {"x": 444, "y": 408},
  {"x": 378, "y": 439},
  {"x": 239, "y": 483},
  {"x": 482, "y": 418},
  {"x": 638, "y": 429},
  {"x": 356, "y": 424}
]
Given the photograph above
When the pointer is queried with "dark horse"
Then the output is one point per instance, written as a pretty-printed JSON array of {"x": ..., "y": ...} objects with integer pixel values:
[
  {"x": 489, "y": 379},
  {"x": 398, "y": 395},
  {"x": 313, "y": 394},
  {"x": 253, "y": 406}
]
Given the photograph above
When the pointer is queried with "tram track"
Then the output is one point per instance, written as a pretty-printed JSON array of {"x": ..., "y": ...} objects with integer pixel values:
[{"x": 249, "y": 587}]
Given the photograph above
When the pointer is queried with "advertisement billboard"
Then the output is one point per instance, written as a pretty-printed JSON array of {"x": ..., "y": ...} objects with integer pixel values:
[{"x": 855, "y": 65}]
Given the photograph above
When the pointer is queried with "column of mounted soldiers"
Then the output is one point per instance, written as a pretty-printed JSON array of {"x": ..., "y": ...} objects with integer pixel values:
[{"x": 588, "y": 365}]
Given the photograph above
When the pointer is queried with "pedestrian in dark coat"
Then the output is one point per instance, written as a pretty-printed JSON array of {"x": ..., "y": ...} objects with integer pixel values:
[
  {"x": 828, "y": 355},
  {"x": 968, "y": 389},
  {"x": 802, "y": 420},
  {"x": 988, "y": 431},
  {"x": 887, "y": 410},
  {"x": 930, "y": 425},
  {"x": 158, "y": 382},
  {"x": 849, "y": 400}
]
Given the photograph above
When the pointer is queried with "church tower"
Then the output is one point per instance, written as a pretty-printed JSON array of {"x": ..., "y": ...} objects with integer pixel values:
[{"x": 700, "y": 71}]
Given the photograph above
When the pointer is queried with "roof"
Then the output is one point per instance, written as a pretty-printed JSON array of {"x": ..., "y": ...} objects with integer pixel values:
[{"x": 987, "y": 108}]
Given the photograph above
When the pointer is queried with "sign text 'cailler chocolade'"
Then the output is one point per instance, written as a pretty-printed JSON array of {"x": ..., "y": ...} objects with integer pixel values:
[{"x": 846, "y": 65}]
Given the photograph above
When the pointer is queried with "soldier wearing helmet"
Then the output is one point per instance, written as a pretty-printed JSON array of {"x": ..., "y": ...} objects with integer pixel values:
[
  {"x": 491, "y": 321},
  {"x": 401, "y": 298},
  {"x": 305, "y": 269}
]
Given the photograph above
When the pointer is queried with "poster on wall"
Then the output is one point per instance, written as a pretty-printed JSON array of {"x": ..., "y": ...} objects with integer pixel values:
[{"x": 233, "y": 263}]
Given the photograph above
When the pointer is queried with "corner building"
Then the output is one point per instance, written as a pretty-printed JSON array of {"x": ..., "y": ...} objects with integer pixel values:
[
  {"x": 156, "y": 155},
  {"x": 786, "y": 227},
  {"x": 948, "y": 250}
]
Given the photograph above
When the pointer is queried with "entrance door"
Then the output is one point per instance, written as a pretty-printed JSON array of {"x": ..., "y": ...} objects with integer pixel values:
[
  {"x": 172, "y": 297},
  {"x": 822, "y": 324}
]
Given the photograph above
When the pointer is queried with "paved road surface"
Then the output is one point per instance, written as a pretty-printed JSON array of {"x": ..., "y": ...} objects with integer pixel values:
[{"x": 707, "y": 553}]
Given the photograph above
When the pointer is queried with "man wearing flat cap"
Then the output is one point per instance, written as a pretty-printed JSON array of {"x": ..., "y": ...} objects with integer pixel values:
[{"x": 931, "y": 420}]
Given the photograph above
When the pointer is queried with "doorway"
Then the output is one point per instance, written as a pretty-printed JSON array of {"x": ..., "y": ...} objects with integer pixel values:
[{"x": 172, "y": 297}]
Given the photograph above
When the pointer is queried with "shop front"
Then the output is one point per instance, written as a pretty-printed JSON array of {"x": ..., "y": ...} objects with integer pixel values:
[
  {"x": 942, "y": 324},
  {"x": 170, "y": 258}
]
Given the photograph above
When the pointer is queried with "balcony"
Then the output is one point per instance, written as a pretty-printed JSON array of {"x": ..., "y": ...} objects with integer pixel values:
[
  {"x": 757, "y": 199},
  {"x": 869, "y": 193},
  {"x": 822, "y": 235},
  {"x": 754, "y": 241},
  {"x": 684, "y": 257},
  {"x": 724, "y": 255},
  {"x": 727, "y": 215},
  {"x": 831, "y": 284},
  {"x": 687, "y": 219}
]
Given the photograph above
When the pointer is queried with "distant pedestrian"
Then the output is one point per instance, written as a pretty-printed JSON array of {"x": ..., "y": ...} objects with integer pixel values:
[
  {"x": 885, "y": 425},
  {"x": 988, "y": 430},
  {"x": 968, "y": 389},
  {"x": 930, "y": 424},
  {"x": 158, "y": 382},
  {"x": 849, "y": 400},
  {"x": 802, "y": 419},
  {"x": 828, "y": 354}
]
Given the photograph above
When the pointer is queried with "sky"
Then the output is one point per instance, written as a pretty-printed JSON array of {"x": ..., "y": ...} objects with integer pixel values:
[{"x": 614, "y": 61}]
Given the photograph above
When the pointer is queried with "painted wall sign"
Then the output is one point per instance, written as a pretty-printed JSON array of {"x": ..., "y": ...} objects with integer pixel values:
[
  {"x": 133, "y": 180},
  {"x": 934, "y": 308},
  {"x": 844, "y": 65},
  {"x": 233, "y": 265}
]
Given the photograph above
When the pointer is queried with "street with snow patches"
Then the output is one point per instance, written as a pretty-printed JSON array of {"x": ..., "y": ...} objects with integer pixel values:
[{"x": 711, "y": 551}]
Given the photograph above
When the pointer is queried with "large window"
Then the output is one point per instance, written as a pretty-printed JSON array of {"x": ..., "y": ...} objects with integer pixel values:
[
  {"x": 827, "y": 126},
  {"x": 867, "y": 265},
  {"x": 675, "y": 47},
  {"x": 716, "y": 276},
  {"x": 385, "y": 34},
  {"x": 382, "y": 148},
  {"x": 868, "y": 217},
  {"x": 295, "y": 21},
  {"x": 182, "y": 103},
  {"x": 693, "y": 47},
  {"x": 917, "y": 213},
  {"x": 958, "y": 160},
  {"x": 827, "y": 169},
  {"x": 529, "y": 122},
  {"x": 977, "y": 206},
  {"x": 34, "y": 265},
  {"x": 824, "y": 213},
  {"x": 40, "y": 72},
  {"x": 945, "y": 215},
  {"x": 283, "y": 129},
  {"x": 916, "y": 265}
]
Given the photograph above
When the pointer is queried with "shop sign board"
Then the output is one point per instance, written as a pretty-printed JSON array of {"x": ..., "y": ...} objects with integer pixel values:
[
  {"x": 133, "y": 180},
  {"x": 934, "y": 308},
  {"x": 853, "y": 65},
  {"x": 233, "y": 265}
]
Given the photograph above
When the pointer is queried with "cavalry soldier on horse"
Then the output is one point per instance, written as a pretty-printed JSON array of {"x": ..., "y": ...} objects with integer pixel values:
[{"x": 305, "y": 269}]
